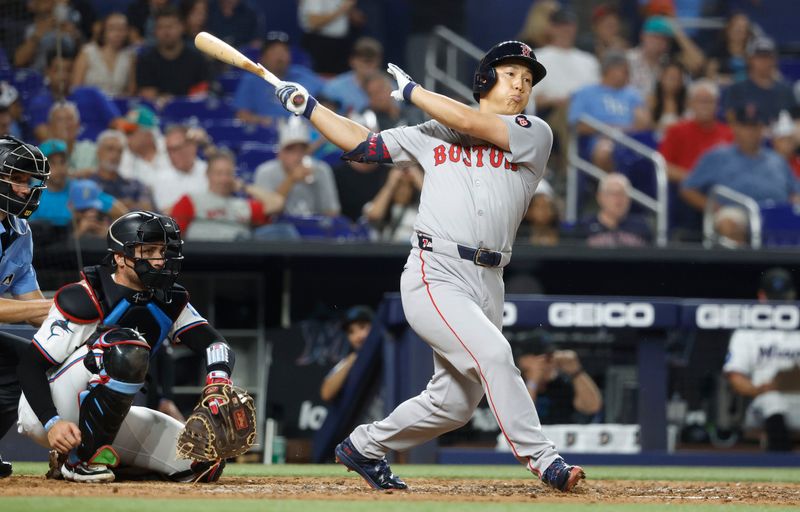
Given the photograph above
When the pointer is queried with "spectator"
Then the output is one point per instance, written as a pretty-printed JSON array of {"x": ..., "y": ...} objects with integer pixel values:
[
  {"x": 744, "y": 166},
  {"x": 731, "y": 227},
  {"x": 394, "y": 209},
  {"x": 64, "y": 123},
  {"x": 763, "y": 87},
  {"x": 388, "y": 112},
  {"x": 255, "y": 100},
  {"x": 217, "y": 213},
  {"x": 52, "y": 28},
  {"x": 88, "y": 219},
  {"x": 184, "y": 173},
  {"x": 306, "y": 183},
  {"x": 568, "y": 70},
  {"x": 234, "y": 22},
  {"x": 362, "y": 182},
  {"x": 685, "y": 141},
  {"x": 141, "y": 15},
  {"x": 348, "y": 88},
  {"x": 108, "y": 64},
  {"x": 614, "y": 225},
  {"x": 357, "y": 325},
  {"x": 194, "y": 14},
  {"x": 132, "y": 193},
  {"x": 647, "y": 59},
  {"x": 536, "y": 29},
  {"x": 53, "y": 207},
  {"x": 10, "y": 110},
  {"x": 667, "y": 103},
  {"x": 542, "y": 220},
  {"x": 606, "y": 34},
  {"x": 97, "y": 112},
  {"x": 786, "y": 140},
  {"x": 762, "y": 364},
  {"x": 727, "y": 61},
  {"x": 326, "y": 33},
  {"x": 170, "y": 67},
  {"x": 145, "y": 155},
  {"x": 560, "y": 388},
  {"x": 611, "y": 101}
]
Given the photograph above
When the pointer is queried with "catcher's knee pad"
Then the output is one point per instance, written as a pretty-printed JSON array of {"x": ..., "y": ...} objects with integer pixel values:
[{"x": 124, "y": 362}]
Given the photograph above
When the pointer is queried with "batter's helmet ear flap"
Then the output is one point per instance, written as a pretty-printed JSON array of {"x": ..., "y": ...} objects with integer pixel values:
[{"x": 483, "y": 81}]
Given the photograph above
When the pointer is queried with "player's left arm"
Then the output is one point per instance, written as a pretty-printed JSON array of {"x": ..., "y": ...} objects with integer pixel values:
[{"x": 193, "y": 331}]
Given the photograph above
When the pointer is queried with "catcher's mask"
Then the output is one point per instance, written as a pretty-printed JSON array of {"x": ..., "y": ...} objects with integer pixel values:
[
  {"x": 21, "y": 164},
  {"x": 140, "y": 227}
]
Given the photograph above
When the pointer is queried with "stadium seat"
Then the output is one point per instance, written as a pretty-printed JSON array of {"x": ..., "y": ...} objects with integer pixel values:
[
  {"x": 126, "y": 104},
  {"x": 28, "y": 82},
  {"x": 234, "y": 134},
  {"x": 187, "y": 110},
  {"x": 251, "y": 155},
  {"x": 4, "y": 62},
  {"x": 780, "y": 224},
  {"x": 229, "y": 81},
  {"x": 321, "y": 227}
]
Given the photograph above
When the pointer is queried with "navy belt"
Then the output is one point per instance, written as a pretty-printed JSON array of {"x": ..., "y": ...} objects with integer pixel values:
[{"x": 480, "y": 256}]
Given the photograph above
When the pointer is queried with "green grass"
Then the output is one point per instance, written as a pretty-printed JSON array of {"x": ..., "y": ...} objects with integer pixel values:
[{"x": 698, "y": 474}]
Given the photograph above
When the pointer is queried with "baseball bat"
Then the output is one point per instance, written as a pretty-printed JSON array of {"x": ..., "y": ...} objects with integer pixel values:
[{"x": 220, "y": 50}]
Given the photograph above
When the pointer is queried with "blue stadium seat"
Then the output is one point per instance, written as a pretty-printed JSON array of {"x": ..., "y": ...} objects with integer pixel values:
[
  {"x": 229, "y": 81},
  {"x": 126, "y": 104},
  {"x": 28, "y": 82},
  {"x": 790, "y": 69},
  {"x": 251, "y": 155},
  {"x": 187, "y": 110},
  {"x": 234, "y": 134},
  {"x": 4, "y": 62},
  {"x": 326, "y": 228},
  {"x": 780, "y": 224}
]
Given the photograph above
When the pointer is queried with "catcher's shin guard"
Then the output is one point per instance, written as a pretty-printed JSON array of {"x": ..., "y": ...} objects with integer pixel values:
[{"x": 125, "y": 360}]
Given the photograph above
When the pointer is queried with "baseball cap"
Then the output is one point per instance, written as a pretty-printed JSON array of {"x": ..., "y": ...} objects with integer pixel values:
[
  {"x": 761, "y": 46},
  {"x": 749, "y": 114},
  {"x": 784, "y": 125},
  {"x": 536, "y": 342},
  {"x": 274, "y": 37},
  {"x": 657, "y": 25},
  {"x": 777, "y": 284},
  {"x": 660, "y": 7},
  {"x": 53, "y": 146},
  {"x": 293, "y": 131},
  {"x": 564, "y": 16},
  {"x": 357, "y": 314},
  {"x": 85, "y": 194},
  {"x": 138, "y": 117}
]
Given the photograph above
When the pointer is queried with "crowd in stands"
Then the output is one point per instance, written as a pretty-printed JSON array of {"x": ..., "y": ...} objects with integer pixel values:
[{"x": 131, "y": 115}]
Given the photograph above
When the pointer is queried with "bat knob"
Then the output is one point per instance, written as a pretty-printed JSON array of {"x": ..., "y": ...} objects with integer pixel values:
[{"x": 298, "y": 100}]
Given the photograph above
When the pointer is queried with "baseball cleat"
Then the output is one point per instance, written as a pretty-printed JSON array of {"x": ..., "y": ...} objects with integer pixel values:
[
  {"x": 87, "y": 473},
  {"x": 5, "y": 468},
  {"x": 560, "y": 475},
  {"x": 376, "y": 472}
]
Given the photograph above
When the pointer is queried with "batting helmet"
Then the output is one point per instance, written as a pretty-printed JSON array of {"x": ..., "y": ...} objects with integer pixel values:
[
  {"x": 141, "y": 227},
  {"x": 21, "y": 164},
  {"x": 485, "y": 75}
]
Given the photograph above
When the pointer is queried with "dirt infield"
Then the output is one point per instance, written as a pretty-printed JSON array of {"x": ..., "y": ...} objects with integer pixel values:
[{"x": 461, "y": 490}]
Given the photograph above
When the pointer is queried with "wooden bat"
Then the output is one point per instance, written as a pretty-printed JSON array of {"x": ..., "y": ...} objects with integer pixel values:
[{"x": 220, "y": 50}]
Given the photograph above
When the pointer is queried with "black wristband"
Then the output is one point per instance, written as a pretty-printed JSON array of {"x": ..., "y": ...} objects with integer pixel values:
[
  {"x": 407, "y": 91},
  {"x": 311, "y": 104}
]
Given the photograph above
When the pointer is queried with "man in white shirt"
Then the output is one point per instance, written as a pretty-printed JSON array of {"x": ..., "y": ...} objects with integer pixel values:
[
  {"x": 568, "y": 69},
  {"x": 184, "y": 173}
]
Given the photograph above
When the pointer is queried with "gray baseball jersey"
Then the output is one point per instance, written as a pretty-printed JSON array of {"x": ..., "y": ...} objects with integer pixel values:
[{"x": 474, "y": 194}]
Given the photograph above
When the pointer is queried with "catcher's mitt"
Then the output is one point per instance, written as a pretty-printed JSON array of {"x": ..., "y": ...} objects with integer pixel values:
[{"x": 222, "y": 425}]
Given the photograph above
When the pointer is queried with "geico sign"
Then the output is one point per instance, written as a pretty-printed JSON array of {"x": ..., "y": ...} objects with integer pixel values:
[
  {"x": 747, "y": 316},
  {"x": 608, "y": 314}
]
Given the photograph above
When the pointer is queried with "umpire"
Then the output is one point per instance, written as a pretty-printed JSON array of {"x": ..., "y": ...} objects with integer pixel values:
[{"x": 24, "y": 171}]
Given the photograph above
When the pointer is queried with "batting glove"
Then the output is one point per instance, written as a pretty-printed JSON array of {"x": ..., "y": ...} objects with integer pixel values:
[
  {"x": 285, "y": 92},
  {"x": 404, "y": 83}
]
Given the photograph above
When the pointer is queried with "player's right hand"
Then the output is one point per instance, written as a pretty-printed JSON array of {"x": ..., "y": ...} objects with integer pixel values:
[
  {"x": 64, "y": 436},
  {"x": 286, "y": 92}
]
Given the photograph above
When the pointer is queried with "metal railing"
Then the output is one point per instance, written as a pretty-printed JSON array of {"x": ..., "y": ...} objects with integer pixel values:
[
  {"x": 577, "y": 164},
  {"x": 444, "y": 42},
  {"x": 731, "y": 196}
]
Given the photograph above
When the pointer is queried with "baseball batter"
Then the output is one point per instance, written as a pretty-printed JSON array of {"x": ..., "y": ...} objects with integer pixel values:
[
  {"x": 481, "y": 170},
  {"x": 79, "y": 377}
]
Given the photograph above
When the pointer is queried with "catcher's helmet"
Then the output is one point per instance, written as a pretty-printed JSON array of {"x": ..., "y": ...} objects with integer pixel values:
[
  {"x": 142, "y": 227},
  {"x": 485, "y": 76},
  {"x": 21, "y": 164}
]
